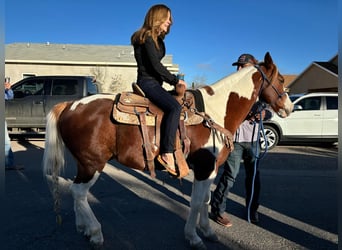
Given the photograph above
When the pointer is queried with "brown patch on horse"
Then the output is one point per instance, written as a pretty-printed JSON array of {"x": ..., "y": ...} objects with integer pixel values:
[
  {"x": 130, "y": 146},
  {"x": 209, "y": 90},
  {"x": 236, "y": 106},
  {"x": 58, "y": 108},
  {"x": 85, "y": 123},
  {"x": 223, "y": 156},
  {"x": 198, "y": 135}
]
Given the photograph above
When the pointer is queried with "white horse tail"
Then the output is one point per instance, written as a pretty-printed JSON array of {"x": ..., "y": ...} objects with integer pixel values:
[{"x": 53, "y": 159}]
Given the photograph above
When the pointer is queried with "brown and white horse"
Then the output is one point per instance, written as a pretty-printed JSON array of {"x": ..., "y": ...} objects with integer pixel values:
[{"x": 85, "y": 127}]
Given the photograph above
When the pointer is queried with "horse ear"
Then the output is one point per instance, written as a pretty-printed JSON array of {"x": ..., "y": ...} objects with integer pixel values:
[{"x": 268, "y": 60}]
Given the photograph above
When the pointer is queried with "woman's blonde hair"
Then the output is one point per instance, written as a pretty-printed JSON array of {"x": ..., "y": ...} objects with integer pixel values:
[{"x": 155, "y": 16}]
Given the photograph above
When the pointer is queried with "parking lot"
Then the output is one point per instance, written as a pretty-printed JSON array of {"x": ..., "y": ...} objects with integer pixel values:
[{"x": 298, "y": 205}]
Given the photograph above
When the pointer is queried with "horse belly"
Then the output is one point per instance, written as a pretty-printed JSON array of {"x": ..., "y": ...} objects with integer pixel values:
[{"x": 130, "y": 146}]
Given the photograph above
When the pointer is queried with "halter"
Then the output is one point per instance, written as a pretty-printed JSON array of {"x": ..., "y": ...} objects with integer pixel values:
[{"x": 264, "y": 78}]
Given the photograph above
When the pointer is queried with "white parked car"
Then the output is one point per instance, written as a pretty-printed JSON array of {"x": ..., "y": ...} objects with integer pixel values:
[{"x": 314, "y": 119}]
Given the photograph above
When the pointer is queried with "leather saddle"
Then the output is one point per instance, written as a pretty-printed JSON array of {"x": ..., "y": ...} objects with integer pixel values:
[
  {"x": 135, "y": 109},
  {"x": 128, "y": 106}
]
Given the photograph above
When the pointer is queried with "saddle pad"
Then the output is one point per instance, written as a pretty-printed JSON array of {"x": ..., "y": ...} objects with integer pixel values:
[
  {"x": 193, "y": 119},
  {"x": 129, "y": 118}
]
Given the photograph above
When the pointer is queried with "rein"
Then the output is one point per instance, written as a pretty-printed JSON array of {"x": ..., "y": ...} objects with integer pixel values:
[{"x": 256, "y": 153}]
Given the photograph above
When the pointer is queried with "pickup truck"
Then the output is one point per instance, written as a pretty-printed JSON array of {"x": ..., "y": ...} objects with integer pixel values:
[{"x": 35, "y": 96}]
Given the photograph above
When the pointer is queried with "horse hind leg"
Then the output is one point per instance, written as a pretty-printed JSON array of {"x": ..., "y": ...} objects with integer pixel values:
[{"x": 86, "y": 221}]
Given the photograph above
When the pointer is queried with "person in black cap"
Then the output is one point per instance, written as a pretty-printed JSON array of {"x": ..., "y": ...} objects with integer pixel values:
[
  {"x": 245, "y": 60},
  {"x": 245, "y": 147}
]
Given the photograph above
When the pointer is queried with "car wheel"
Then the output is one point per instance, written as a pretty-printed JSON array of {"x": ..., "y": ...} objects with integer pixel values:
[{"x": 272, "y": 138}]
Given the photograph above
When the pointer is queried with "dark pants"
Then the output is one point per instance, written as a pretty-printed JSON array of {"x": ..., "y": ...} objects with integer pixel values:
[
  {"x": 245, "y": 151},
  {"x": 171, "y": 108}
]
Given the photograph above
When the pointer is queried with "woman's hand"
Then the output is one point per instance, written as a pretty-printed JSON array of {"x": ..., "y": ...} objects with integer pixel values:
[
  {"x": 182, "y": 83},
  {"x": 180, "y": 87}
]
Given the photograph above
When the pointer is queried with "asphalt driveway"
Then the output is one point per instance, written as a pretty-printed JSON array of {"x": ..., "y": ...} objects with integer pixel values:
[{"x": 298, "y": 205}]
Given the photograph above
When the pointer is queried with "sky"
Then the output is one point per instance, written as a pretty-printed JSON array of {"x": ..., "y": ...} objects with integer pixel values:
[{"x": 206, "y": 36}]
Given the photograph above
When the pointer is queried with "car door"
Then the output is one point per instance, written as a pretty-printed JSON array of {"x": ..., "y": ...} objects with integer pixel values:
[
  {"x": 330, "y": 121},
  {"x": 62, "y": 89},
  {"x": 306, "y": 120},
  {"x": 26, "y": 109}
]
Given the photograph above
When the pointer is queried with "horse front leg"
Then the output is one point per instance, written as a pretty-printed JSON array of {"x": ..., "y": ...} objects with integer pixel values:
[
  {"x": 204, "y": 212},
  {"x": 86, "y": 221},
  {"x": 198, "y": 205}
]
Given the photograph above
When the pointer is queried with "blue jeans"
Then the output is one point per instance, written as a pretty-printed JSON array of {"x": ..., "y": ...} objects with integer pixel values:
[
  {"x": 171, "y": 108},
  {"x": 9, "y": 157},
  {"x": 245, "y": 151}
]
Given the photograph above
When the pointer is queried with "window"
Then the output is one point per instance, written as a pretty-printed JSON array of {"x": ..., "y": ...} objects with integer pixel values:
[
  {"x": 310, "y": 103},
  {"x": 92, "y": 88},
  {"x": 26, "y": 75},
  {"x": 332, "y": 102},
  {"x": 64, "y": 87},
  {"x": 29, "y": 87}
]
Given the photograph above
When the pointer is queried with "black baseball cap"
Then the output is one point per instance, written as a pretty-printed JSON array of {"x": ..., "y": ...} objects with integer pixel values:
[{"x": 245, "y": 58}]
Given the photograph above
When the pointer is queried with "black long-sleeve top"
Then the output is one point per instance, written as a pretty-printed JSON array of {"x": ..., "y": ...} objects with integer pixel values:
[{"x": 149, "y": 58}]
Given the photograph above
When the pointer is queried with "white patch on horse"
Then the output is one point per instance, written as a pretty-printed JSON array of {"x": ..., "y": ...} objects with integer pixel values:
[
  {"x": 86, "y": 221},
  {"x": 215, "y": 105},
  {"x": 91, "y": 98},
  {"x": 214, "y": 145}
]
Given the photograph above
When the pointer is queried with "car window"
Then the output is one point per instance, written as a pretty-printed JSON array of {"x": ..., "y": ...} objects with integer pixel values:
[
  {"x": 310, "y": 103},
  {"x": 92, "y": 88},
  {"x": 332, "y": 102},
  {"x": 29, "y": 87},
  {"x": 64, "y": 87}
]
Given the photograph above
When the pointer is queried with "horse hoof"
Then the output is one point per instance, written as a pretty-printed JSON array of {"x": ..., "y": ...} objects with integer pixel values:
[
  {"x": 212, "y": 238},
  {"x": 198, "y": 246},
  {"x": 97, "y": 239},
  {"x": 96, "y": 246}
]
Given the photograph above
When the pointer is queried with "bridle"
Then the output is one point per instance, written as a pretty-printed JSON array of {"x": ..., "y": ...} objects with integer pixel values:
[{"x": 265, "y": 78}]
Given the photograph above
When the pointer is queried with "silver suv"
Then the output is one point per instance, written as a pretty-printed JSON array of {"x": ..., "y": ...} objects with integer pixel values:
[{"x": 314, "y": 119}]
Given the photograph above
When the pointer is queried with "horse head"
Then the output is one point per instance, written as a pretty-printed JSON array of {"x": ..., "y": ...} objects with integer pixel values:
[{"x": 272, "y": 89}]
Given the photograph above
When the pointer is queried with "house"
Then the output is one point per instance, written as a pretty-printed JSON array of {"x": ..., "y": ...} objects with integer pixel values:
[
  {"x": 319, "y": 76},
  {"x": 112, "y": 66}
]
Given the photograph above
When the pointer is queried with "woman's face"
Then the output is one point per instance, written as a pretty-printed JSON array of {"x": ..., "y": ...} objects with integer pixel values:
[{"x": 165, "y": 25}]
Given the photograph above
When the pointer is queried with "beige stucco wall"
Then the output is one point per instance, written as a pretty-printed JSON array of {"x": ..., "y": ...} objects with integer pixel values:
[{"x": 105, "y": 74}]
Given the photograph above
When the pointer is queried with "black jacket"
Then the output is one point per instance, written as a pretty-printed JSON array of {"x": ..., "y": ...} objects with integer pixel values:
[{"x": 149, "y": 58}]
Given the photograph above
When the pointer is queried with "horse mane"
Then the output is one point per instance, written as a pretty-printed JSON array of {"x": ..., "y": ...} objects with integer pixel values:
[
  {"x": 232, "y": 83},
  {"x": 216, "y": 95}
]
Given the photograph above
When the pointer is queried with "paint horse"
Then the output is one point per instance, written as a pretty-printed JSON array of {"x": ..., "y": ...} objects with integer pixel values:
[{"x": 86, "y": 128}]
